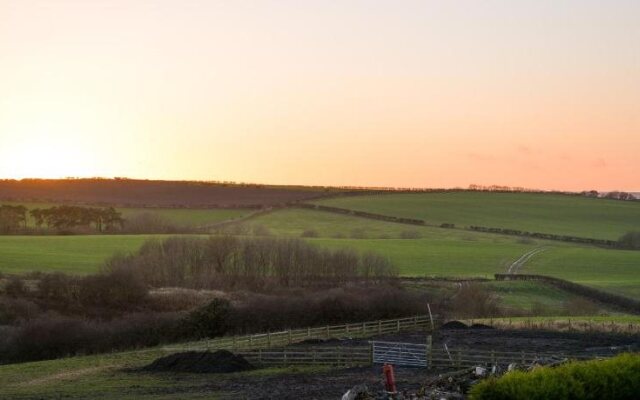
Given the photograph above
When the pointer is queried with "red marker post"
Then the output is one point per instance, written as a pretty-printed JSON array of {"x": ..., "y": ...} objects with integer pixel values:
[{"x": 389, "y": 378}]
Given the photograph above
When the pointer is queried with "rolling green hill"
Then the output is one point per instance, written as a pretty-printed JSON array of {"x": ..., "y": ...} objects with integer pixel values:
[{"x": 547, "y": 213}]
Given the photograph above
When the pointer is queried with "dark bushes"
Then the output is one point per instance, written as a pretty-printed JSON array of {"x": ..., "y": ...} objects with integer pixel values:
[
  {"x": 630, "y": 241},
  {"x": 51, "y": 336},
  {"x": 256, "y": 263},
  {"x": 118, "y": 289}
]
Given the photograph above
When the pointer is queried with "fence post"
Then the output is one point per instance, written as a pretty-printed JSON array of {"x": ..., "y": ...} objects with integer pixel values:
[
  {"x": 290, "y": 340},
  {"x": 364, "y": 329},
  {"x": 268, "y": 339},
  {"x": 429, "y": 351},
  {"x": 459, "y": 357},
  {"x": 327, "y": 331},
  {"x": 493, "y": 357},
  {"x": 235, "y": 344},
  {"x": 430, "y": 316},
  {"x": 285, "y": 357},
  {"x": 370, "y": 353},
  {"x": 260, "y": 356},
  {"x": 398, "y": 326},
  {"x": 522, "y": 356},
  {"x": 308, "y": 332},
  {"x": 250, "y": 341},
  {"x": 379, "y": 327}
]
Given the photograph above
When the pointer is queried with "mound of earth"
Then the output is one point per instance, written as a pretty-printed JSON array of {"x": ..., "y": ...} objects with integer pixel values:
[
  {"x": 454, "y": 325},
  {"x": 221, "y": 361}
]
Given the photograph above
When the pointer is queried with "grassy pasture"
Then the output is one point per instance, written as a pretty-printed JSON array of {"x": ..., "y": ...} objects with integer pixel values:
[
  {"x": 559, "y": 214},
  {"x": 70, "y": 254},
  {"x": 425, "y": 257},
  {"x": 617, "y": 271},
  {"x": 190, "y": 217},
  {"x": 111, "y": 376}
]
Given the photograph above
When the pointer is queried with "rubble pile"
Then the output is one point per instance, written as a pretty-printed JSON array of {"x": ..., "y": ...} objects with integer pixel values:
[{"x": 452, "y": 385}]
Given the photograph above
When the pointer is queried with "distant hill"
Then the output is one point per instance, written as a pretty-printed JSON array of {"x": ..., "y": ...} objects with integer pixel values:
[
  {"x": 560, "y": 214},
  {"x": 149, "y": 193}
]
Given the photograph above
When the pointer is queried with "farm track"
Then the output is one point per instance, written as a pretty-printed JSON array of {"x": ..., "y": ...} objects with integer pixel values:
[{"x": 516, "y": 265}]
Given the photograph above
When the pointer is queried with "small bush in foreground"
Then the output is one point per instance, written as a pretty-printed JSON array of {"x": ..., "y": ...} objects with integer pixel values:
[{"x": 616, "y": 378}]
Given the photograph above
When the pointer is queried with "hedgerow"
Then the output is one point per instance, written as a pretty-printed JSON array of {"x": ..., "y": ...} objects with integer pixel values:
[{"x": 616, "y": 378}]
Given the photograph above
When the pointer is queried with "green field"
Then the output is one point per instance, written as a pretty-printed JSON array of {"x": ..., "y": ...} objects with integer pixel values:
[
  {"x": 70, "y": 254},
  {"x": 559, "y": 214},
  {"x": 190, "y": 217},
  {"x": 613, "y": 270},
  {"x": 112, "y": 377}
]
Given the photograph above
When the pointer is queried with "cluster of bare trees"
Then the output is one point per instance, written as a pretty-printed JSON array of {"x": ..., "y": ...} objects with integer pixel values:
[
  {"x": 226, "y": 262},
  {"x": 12, "y": 218},
  {"x": 69, "y": 217}
]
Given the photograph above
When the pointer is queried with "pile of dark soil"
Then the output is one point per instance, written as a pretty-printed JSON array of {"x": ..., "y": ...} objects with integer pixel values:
[
  {"x": 454, "y": 325},
  {"x": 222, "y": 361}
]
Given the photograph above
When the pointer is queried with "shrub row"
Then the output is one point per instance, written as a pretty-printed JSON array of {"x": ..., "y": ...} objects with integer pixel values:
[
  {"x": 616, "y": 378},
  {"x": 50, "y": 335},
  {"x": 363, "y": 214},
  {"x": 547, "y": 236}
]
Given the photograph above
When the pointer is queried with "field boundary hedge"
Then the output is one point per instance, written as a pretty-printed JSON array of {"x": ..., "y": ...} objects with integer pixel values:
[
  {"x": 483, "y": 229},
  {"x": 620, "y": 302}
]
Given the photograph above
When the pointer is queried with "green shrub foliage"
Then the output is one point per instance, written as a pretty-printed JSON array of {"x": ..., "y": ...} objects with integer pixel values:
[{"x": 616, "y": 378}]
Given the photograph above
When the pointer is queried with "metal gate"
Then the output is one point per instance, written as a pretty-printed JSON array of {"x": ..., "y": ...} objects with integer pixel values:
[{"x": 406, "y": 354}]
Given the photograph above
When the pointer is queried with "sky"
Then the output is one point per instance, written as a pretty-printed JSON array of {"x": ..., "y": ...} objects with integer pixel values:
[{"x": 543, "y": 94}]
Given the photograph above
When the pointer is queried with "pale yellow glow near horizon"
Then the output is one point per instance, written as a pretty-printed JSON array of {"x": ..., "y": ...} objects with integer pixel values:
[{"x": 542, "y": 94}]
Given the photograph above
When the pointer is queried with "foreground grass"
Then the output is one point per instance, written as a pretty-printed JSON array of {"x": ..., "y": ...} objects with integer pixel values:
[
  {"x": 112, "y": 376},
  {"x": 559, "y": 214},
  {"x": 616, "y": 378}
]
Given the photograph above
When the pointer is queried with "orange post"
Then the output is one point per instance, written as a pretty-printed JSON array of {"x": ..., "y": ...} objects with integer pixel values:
[{"x": 389, "y": 378}]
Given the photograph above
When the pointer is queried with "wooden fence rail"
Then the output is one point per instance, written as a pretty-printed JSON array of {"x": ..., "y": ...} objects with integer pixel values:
[
  {"x": 416, "y": 355},
  {"x": 282, "y": 338}
]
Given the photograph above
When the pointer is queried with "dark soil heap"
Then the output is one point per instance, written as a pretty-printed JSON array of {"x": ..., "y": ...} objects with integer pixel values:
[
  {"x": 454, "y": 325},
  {"x": 222, "y": 361}
]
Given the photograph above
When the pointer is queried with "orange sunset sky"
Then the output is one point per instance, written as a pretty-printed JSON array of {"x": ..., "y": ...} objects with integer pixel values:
[{"x": 543, "y": 94}]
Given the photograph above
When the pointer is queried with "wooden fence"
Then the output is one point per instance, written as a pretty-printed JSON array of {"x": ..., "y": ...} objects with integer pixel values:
[
  {"x": 408, "y": 354},
  {"x": 562, "y": 325},
  {"x": 282, "y": 338}
]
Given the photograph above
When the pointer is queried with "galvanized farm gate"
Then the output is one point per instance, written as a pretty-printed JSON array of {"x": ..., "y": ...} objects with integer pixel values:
[{"x": 405, "y": 354}]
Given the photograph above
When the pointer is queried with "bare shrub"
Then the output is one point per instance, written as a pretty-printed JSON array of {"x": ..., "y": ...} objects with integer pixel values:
[
  {"x": 474, "y": 301},
  {"x": 179, "y": 299},
  {"x": 254, "y": 263},
  {"x": 15, "y": 287},
  {"x": 13, "y": 310}
]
